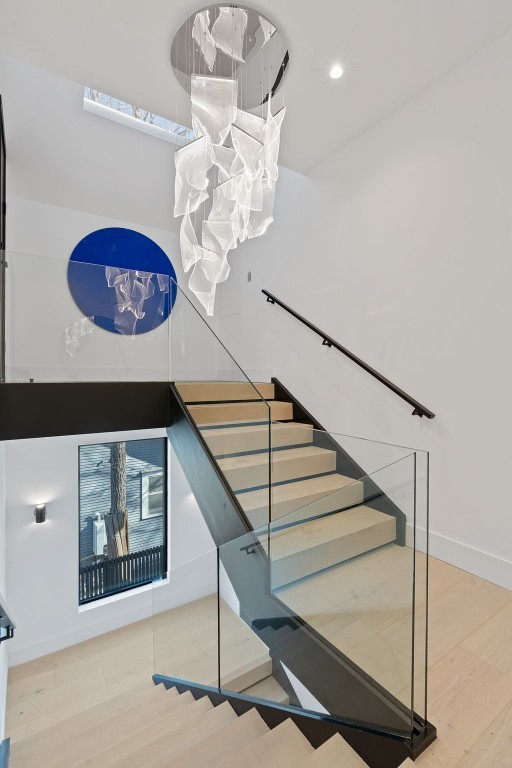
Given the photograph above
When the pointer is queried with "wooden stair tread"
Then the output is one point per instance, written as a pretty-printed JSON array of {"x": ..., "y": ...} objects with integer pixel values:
[
  {"x": 268, "y": 690},
  {"x": 305, "y": 549},
  {"x": 281, "y": 747},
  {"x": 326, "y": 529},
  {"x": 162, "y": 750},
  {"x": 226, "y": 413},
  {"x": 257, "y": 437},
  {"x": 216, "y": 749},
  {"x": 210, "y": 391},
  {"x": 301, "y": 495},
  {"x": 287, "y": 454},
  {"x": 252, "y": 470},
  {"x": 166, "y": 727},
  {"x": 333, "y": 753}
]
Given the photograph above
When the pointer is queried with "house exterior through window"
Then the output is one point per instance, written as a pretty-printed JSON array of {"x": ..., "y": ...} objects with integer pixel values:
[{"x": 123, "y": 516}]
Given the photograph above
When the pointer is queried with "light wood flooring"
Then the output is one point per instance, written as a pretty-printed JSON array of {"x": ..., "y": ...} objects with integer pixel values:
[
  {"x": 181, "y": 642},
  {"x": 363, "y": 607},
  {"x": 470, "y": 676}
]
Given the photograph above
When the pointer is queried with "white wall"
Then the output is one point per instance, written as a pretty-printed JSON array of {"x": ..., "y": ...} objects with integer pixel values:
[
  {"x": 40, "y": 306},
  {"x": 69, "y": 173},
  {"x": 399, "y": 247},
  {"x": 42, "y": 560},
  {"x": 61, "y": 155}
]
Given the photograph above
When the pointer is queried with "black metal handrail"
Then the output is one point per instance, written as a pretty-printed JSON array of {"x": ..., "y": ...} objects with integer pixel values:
[
  {"x": 328, "y": 341},
  {"x": 7, "y": 625}
]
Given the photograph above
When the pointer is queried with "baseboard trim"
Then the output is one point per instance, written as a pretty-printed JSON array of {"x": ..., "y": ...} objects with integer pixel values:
[{"x": 456, "y": 553}]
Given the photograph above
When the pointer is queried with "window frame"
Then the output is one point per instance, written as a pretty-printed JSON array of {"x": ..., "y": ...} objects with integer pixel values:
[
  {"x": 116, "y": 115},
  {"x": 145, "y": 477}
]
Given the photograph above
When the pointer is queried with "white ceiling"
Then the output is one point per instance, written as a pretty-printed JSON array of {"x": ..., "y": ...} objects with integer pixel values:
[{"x": 390, "y": 49}]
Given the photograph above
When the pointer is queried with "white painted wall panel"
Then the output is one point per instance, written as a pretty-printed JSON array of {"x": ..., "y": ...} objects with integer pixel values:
[
  {"x": 399, "y": 247},
  {"x": 42, "y": 560}
]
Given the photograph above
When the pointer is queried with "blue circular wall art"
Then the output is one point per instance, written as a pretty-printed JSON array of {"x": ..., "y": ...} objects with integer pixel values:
[{"x": 119, "y": 279}]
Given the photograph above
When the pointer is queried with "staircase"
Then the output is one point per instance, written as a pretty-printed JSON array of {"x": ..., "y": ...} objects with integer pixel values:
[
  {"x": 157, "y": 727},
  {"x": 327, "y": 521},
  {"x": 252, "y": 455}
]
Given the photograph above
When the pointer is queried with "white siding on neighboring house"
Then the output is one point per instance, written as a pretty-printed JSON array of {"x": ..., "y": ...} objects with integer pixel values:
[{"x": 145, "y": 458}]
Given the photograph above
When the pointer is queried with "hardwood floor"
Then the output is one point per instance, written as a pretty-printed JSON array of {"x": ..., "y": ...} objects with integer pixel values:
[
  {"x": 470, "y": 674},
  {"x": 181, "y": 642},
  {"x": 363, "y": 607}
]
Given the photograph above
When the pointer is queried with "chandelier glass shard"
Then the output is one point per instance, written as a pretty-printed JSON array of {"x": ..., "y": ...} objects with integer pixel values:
[{"x": 231, "y": 60}]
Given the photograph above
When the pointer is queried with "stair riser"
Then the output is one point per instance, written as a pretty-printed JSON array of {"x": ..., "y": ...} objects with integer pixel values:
[
  {"x": 291, "y": 469},
  {"x": 229, "y": 412},
  {"x": 308, "y": 506},
  {"x": 222, "y": 445},
  {"x": 217, "y": 391},
  {"x": 304, "y": 563}
]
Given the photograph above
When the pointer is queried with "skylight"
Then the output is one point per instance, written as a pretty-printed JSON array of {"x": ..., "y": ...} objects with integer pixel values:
[{"x": 135, "y": 117}]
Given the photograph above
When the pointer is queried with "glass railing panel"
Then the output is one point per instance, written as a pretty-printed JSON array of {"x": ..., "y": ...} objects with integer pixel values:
[
  {"x": 418, "y": 539},
  {"x": 247, "y": 614},
  {"x": 309, "y": 465},
  {"x": 360, "y": 596},
  {"x": 69, "y": 321},
  {"x": 348, "y": 576},
  {"x": 185, "y": 622},
  {"x": 231, "y": 412}
]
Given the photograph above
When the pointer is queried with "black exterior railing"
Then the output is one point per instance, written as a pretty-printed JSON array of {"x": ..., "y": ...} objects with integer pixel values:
[
  {"x": 118, "y": 574},
  {"x": 7, "y": 625},
  {"x": 328, "y": 341}
]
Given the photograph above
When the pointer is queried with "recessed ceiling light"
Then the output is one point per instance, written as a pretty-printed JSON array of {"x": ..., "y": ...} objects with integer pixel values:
[{"x": 336, "y": 72}]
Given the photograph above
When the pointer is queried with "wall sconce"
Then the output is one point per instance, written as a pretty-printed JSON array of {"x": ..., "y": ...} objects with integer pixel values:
[{"x": 40, "y": 513}]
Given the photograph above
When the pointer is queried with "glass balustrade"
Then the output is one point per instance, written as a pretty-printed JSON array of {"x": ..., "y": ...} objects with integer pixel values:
[
  {"x": 321, "y": 610},
  {"x": 75, "y": 322},
  {"x": 298, "y": 557},
  {"x": 339, "y": 600}
]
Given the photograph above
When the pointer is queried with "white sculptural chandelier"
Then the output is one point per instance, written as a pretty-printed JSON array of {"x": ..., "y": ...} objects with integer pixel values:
[{"x": 232, "y": 61}]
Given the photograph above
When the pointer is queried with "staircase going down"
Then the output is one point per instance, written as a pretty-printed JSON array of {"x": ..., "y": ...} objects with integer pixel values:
[
  {"x": 158, "y": 727},
  {"x": 237, "y": 429}
]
